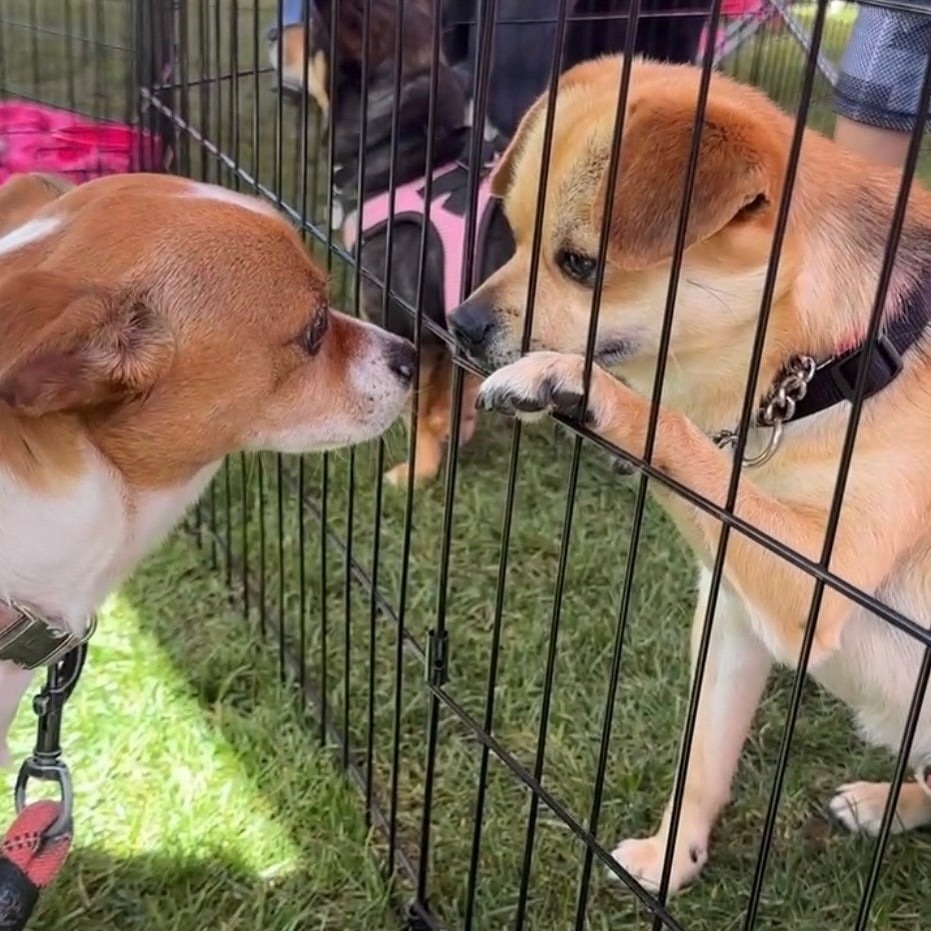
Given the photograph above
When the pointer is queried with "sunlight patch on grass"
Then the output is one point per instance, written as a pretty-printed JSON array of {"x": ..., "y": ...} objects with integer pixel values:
[
  {"x": 201, "y": 797},
  {"x": 145, "y": 757}
]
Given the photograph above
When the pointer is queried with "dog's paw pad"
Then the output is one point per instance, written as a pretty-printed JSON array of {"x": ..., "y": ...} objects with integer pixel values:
[
  {"x": 531, "y": 402},
  {"x": 569, "y": 404},
  {"x": 859, "y": 806},
  {"x": 510, "y": 400},
  {"x": 643, "y": 858}
]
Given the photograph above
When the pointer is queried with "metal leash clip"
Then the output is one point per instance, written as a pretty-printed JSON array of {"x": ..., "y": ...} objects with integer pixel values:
[{"x": 46, "y": 764}]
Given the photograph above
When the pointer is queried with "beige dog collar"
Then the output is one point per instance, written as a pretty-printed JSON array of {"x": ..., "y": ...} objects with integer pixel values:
[{"x": 30, "y": 640}]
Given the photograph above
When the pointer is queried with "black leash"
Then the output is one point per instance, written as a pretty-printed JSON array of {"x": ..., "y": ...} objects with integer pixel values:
[{"x": 37, "y": 844}]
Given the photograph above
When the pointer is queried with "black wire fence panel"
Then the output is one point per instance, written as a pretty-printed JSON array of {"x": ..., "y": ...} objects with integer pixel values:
[{"x": 498, "y": 659}]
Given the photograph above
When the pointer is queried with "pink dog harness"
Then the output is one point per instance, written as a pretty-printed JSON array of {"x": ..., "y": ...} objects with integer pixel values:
[{"x": 450, "y": 225}]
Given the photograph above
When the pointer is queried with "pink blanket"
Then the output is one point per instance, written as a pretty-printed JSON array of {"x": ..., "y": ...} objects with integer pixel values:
[{"x": 35, "y": 137}]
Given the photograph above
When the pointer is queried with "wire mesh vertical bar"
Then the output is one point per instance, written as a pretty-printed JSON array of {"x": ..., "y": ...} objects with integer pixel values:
[
  {"x": 510, "y": 494},
  {"x": 351, "y": 464},
  {"x": 846, "y": 458},
  {"x": 203, "y": 32},
  {"x": 304, "y": 156},
  {"x": 183, "y": 64},
  {"x": 398, "y": 683},
  {"x": 640, "y": 503},
  {"x": 325, "y": 477},
  {"x": 380, "y": 455},
  {"x": 485, "y": 22}
]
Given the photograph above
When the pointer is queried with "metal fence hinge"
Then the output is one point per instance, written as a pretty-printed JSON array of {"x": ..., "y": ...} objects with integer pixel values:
[{"x": 437, "y": 657}]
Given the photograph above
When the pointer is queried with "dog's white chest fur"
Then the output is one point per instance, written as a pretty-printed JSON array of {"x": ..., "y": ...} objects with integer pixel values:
[
  {"x": 66, "y": 552},
  {"x": 875, "y": 670}
]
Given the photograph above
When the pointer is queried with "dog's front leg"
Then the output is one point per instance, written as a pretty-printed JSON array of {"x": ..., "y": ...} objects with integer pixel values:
[
  {"x": 779, "y": 592},
  {"x": 738, "y": 663},
  {"x": 13, "y": 684},
  {"x": 735, "y": 674}
]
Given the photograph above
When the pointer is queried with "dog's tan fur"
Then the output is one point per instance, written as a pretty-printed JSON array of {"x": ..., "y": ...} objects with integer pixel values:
[{"x": 828, "y": 275}]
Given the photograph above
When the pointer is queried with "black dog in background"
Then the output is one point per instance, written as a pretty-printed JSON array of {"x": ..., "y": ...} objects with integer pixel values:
[
  {"x": 525, "y": 34},
  {"x": 359, "y": 120},
  {"x": 522, "y": 53}
]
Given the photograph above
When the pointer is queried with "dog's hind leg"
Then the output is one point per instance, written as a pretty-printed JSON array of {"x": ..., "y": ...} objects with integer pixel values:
[
  {"x": 734, "y": 678},
  {"x": 13, "y": 684},
  {"x": 432, "y": 430},
  {"x": 859, "y": 806},
  {"x": 467, "y": 419}
]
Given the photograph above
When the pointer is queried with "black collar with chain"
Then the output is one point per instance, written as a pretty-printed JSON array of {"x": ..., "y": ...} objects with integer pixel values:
[
  {"x": 835, "y": 380},
  {"x": 805, "y": 387}
]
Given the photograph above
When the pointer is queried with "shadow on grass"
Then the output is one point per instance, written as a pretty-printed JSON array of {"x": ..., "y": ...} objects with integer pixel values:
[
  {"x": 298, "y": 857},
  {"x": 189, "y": 893},
  {"x": 815, "y": 873}
]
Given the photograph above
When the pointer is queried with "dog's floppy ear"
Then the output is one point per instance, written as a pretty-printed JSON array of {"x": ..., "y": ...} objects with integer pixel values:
[
  {"x": 737, "y": 177},
  {"x": 67, "y": 345},
  {"x": 502, "y": 175}
]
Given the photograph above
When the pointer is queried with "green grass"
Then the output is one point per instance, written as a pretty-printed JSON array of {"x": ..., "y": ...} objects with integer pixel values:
[
  {"x": 201, "y": 801},
  {"x": 204, "y": 801}
]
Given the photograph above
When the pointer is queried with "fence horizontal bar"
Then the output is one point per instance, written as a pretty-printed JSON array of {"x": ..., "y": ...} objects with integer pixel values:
[
  {"x": 526, "y": 777},
  {"x": 34, "y": 29},
  {"x": 204, "y": 81}
]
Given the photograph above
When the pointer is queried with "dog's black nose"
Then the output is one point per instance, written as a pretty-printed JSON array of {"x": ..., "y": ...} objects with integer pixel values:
[
  {"x": 472, "y": 323},
  {"x": 402, "y": 360},
  {"x": 272, "y": 33}
]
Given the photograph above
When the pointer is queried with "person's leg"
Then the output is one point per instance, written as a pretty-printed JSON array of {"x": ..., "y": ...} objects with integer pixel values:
[
  {"x": 879, "y": 85},
  {"x": 885, "y": 146}
]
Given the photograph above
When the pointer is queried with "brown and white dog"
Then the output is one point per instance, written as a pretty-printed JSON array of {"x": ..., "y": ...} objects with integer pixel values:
[
  {"x": 150, "y": 326},
  {"x": 827, "y": 281}
]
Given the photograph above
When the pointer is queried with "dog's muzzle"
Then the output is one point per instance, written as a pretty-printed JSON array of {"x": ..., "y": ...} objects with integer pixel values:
[{"x": 474, "y": 324}]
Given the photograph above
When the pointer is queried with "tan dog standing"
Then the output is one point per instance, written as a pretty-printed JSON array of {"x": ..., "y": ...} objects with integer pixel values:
[{"x": 828, "y": 275}]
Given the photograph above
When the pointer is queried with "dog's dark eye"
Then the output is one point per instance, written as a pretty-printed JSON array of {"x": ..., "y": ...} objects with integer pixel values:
[
  {"x": 579, "y": 267},
  {"x": 312, "y": 337}
]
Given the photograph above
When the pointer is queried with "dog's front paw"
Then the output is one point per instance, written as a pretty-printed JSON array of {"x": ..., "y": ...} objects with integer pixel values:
[
  {"x": 541, "y": 383},
  {"x": 860, "y": 806},
  {"x": 643, "y": 859}
]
